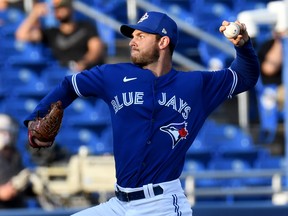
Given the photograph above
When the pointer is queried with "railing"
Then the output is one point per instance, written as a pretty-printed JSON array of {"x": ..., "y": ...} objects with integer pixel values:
[
  {"x": 89, "y": 174},
  {"x": 277, "y": 191}
]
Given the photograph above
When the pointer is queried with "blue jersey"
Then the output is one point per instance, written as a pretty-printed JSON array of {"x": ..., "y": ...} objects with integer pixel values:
[{"x": 155, "y": 119}]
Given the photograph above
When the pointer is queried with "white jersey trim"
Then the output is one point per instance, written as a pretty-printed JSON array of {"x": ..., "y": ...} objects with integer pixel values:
[
  {"x": 74, "y": 83},
  {"x": 235, "y": 81}
]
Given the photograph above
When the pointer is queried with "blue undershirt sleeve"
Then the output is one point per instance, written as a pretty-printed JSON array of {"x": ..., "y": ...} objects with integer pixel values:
[{"x": 246, "y": 65}]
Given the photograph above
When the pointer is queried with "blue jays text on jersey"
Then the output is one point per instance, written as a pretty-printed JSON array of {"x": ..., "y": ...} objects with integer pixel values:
[
  {"x": 129, "y": 98},
  {"x": 155, "y": 119}
]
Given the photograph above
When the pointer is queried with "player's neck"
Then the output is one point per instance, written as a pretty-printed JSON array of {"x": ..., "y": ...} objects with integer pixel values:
[{"x": 160, "y": 67}]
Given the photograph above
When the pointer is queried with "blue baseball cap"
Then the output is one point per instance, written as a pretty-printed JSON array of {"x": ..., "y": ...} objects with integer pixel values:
[{"x": 154, "y": 23}]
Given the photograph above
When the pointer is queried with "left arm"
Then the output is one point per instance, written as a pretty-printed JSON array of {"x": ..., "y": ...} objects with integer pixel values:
[{"x": 246, "y": 64}]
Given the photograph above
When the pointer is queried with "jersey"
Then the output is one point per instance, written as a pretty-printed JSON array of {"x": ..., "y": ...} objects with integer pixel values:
[
  {"x": 70, "y": 47},
  {"x": 156, "y": 119}
]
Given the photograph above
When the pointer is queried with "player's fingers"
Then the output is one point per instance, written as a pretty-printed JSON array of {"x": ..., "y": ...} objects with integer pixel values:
[
  {"x": 239, "y": 41},
  {"x": 223, "y": 26},
  {"x": 241, "y": 25},
  {"x": 225, "y": 23}
]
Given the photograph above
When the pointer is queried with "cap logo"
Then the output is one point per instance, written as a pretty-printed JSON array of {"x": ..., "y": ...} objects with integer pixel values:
[
  {"x": 144, "y": 17},
  {"x": 164, "y": 31}
]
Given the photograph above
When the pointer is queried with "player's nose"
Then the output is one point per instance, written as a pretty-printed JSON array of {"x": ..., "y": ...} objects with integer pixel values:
[{"x": 132, "y": 43}]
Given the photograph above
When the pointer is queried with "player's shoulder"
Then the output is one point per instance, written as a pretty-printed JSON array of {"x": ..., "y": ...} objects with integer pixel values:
[
  {"x": 117, "y": 67},
  {"x": 193, "y": 73}
]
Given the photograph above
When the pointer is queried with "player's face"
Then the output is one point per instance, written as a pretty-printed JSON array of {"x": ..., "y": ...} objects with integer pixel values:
[{"x": 144, "y": 48}]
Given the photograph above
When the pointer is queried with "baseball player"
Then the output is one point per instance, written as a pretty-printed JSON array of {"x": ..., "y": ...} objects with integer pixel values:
[{"x": 156, "y": 113}]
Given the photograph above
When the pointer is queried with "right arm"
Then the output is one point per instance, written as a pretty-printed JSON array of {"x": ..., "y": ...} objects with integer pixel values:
[
  {"x": 64, "y": 92},
  {"x": 29, "y": 30}
]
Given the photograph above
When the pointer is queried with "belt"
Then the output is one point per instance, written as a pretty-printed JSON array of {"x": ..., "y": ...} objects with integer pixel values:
[{"x": 126, "y": 197}]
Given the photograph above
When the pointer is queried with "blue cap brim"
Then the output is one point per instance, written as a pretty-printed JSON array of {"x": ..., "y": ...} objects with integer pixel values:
[{"x": 127, "y": 30}]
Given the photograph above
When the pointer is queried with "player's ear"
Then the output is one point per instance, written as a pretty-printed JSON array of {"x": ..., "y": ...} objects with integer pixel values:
[{"x": 164, "y": 42}]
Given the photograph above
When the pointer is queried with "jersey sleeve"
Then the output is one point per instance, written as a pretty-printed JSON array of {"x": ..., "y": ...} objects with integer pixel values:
[
  {"x": 241, "y": 76},
  {"x": 246, "y": 66},
  {"x": 89, "y": 82},
  {"x": 217, "y": 87}
]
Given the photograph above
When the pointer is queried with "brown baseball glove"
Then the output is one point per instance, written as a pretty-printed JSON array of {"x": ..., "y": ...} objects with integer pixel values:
[{"x": 46, "y": 129}]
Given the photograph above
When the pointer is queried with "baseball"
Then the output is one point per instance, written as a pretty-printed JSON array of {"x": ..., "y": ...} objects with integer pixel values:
[{"x": 232, "y": 30}]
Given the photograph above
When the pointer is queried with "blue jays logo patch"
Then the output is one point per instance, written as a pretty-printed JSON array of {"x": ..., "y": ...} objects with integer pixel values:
[{"x": 177, "y": 132}]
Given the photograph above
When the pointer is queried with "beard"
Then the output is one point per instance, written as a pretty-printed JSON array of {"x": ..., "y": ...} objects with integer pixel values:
[{"x": 145, "y": 58}]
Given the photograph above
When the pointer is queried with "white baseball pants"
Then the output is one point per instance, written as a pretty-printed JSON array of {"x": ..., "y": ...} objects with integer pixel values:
[{"x": 172, "y": 202}]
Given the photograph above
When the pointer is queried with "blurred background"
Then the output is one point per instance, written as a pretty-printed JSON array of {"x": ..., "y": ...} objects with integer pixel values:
[{"x": 238, "y": 163}]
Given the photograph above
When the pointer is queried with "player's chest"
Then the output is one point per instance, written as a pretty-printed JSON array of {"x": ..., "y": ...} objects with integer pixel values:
[{"x": 153, "y": 97}]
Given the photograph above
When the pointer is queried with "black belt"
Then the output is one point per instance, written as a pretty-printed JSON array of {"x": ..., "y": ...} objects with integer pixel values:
[{"x": 126, "y": 197}]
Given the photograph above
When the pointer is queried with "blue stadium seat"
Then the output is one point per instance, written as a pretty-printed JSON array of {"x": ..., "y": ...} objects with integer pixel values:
[
  {"x": 267, "y": 163},
  {"x": 11, "y": 17},
  {"x": 225, "y": 136},
  {"x": 233, "y": 165},
  {"x": 71, "y": 138},
  {"x": 108, "y": 35},
  {"x": 104, "y": 145},
  {"x": 101, "y": 114},
  {"x": 232, "y": 142},
  {"x": 199, "y": 151},
  {"x": 20, "y": 107},
  {"x": 52, "y": 75},
  {"x": 88, "y": 113},
  {"x": 192, "y": 165},
  {"x": 113, "y": 8},
  {"x": 28, "y": 55},
  {"x": 78, "y": 113},
  {"x": 24, "y": 82},
  {"x": 272, "y": 162},
  {"x": 269, "y": 115}
]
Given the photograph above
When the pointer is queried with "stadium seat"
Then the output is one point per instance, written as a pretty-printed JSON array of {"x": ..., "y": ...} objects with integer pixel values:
[
  {"x": 84, "y": 112},
  {"x": 11, "y": 17},
  {"x": 229, "y": 165},
  {"x": 20, "y": 107},
  {"x": 111, "y": 8},
  {"x": 108, "y": 35},
  {"x": 24, "y": 82},
  {"x": 267, "y": 163},
  {"x": 102, "y": 146},
  {"x": 269, "y": 115},
  {"x": 192, "y": 165},
  {"x": 101, "y": 114},
  {"x": 72, "y": 138},
  {"x": 53, "y": 74},
  {"x": 227, "y": 136},
  {"x": 28, "y": 55},
  {"x": 234, "y": 143},
  {"x": 271, "y": 162}
]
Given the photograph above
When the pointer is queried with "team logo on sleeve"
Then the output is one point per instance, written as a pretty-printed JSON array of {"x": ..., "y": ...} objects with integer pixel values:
[{"x": 177, "y": 132}]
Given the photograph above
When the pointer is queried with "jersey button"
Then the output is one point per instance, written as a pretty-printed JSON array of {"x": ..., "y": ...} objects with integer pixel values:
[{"x": 149, "y": 142}]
